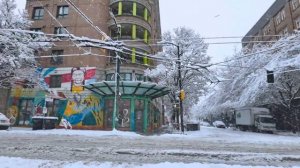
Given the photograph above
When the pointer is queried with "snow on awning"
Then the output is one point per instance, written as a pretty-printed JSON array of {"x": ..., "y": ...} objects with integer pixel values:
[{"x": 129, "y": 88}]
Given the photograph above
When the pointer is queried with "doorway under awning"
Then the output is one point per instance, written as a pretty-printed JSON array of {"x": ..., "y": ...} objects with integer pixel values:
[
  {"x": 129, "y": 88},
  {"x": 136, "y": 110}
]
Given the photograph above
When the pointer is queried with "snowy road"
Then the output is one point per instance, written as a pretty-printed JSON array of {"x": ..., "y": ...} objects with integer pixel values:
[{"x": 210, "y": 145}]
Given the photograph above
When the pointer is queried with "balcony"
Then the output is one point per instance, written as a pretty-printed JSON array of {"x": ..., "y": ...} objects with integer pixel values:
[
  {"x": 131, "y": 20},
  {"x": 142, "y": 2}
]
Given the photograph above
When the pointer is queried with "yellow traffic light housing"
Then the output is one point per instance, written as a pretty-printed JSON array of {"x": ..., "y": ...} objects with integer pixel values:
[{"x": 181, "y": 95}]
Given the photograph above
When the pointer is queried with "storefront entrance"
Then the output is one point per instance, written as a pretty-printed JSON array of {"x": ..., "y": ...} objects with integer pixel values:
[{"x": 135, "y": 110}]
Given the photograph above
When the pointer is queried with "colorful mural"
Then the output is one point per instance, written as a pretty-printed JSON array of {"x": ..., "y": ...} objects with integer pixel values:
[
  {"x": 70, "y": 101},
  {"x": 70, "y": 76},
  {"x": 21, "y": 103},
  {"x": 80, "y": 108},
  {"x": 78, "y": 79},
  {"x": 84, "y": 110}
]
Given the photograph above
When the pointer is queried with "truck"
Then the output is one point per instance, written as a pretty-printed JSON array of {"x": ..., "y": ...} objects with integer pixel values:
[{"x": 256, "y": 119}]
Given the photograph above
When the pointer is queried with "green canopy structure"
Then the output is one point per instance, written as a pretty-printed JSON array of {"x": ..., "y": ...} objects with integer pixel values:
[{"x": 129, "y": 88}]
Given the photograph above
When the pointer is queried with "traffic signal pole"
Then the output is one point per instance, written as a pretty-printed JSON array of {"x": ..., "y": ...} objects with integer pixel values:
[{"x": 180, "y": 88}]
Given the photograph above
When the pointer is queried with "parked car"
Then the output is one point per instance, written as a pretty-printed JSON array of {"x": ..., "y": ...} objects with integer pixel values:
[
  {"x": 204, "y": 123},
  {"x": 219, "y": 124},
  {"x": 4, "y": 122}
]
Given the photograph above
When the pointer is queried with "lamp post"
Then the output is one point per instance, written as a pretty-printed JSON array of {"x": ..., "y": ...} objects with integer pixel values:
[{"x": 179, "y": 80}]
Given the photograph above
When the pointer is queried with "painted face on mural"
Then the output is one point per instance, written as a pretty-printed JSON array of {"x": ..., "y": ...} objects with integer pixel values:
[{"x": 78, "y": 77}]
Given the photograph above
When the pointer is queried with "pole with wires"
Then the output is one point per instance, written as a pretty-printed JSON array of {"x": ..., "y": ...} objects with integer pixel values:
[
  {"x": 180, "y": 89},
  {"x": 117, "y": 75}
]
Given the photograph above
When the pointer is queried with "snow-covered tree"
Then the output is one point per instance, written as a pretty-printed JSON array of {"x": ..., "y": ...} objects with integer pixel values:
[
  {"x": 17, "y": 47},
  {"x": 192, "y": 51},
  {"x": 287, "y": 104},
  {"x": 244, "y": 79}
]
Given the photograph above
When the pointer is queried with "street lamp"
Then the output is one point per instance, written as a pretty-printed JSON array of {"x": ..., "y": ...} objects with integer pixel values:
[{"x": 179, "y": 79}]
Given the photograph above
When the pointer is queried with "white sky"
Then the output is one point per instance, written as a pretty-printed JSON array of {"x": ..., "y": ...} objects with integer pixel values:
[{"x": 211, "y": 18}]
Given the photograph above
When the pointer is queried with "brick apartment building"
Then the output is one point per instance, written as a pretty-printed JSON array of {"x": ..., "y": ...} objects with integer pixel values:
[
  {"x": 282, "y": 18},
  {"x": 69, "y": 67}
]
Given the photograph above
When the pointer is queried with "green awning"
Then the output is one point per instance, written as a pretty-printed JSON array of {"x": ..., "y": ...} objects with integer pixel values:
[{"x": 129, "y": 88}]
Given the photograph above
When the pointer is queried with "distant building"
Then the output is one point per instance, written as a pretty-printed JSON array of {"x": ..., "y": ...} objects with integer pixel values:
[
  {"x": 282, "y": 18},
  {"x": 69, "y": 67}
]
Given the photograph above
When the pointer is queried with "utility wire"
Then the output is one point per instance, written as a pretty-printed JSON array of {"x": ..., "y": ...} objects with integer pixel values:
[{"x": 87, "y": 19}]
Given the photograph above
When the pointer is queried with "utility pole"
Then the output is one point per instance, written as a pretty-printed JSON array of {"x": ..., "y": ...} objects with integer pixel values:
[
  {"x": 180, "y": 88},
  {"x": 180, "y": 110},
  {"x": 117, "y": 85},
  {"x": 117, "y": 75}
]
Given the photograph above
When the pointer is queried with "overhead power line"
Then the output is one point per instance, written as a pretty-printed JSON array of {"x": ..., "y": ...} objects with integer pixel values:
[
  {"x": 209, "y": 38},
  {"x": 87, "y": 19}
]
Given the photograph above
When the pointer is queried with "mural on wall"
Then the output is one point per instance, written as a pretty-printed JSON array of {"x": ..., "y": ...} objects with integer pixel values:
[
  {"x": 123, "y": 118},
  {"x": 123, "y": 113},
  {"x": 21, "y": 104},
  {"x": 78, "y": 79},
  {"x": 79, "y": 107},
  {"x": 82, "y": 108}
]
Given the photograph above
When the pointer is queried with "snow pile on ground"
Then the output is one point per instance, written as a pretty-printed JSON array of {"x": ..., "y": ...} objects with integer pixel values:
[
  {"x": 8, "y": 162},
  {"x": 228, "y": 135},
  {"x": 88, "y": 133},
  {"x": 231, "y": 135}
]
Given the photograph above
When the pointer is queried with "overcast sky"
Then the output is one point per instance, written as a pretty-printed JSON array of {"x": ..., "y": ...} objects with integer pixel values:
[{"x": 211, "y": 18}]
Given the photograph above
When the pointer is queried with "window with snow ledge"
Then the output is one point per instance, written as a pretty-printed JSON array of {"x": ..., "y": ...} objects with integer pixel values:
[
  {"x": 62, "y": 11},
  {"x": 38, "y": 13},
  {"x": 56, "y": 59},
  {"x": 35, "y": 30},
  {"x": 60, "y": 30},
  {"x": 55, "y": 81}
]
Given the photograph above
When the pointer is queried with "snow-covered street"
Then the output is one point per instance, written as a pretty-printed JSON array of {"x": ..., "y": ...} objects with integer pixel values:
[{"x": 210, "y": 147}]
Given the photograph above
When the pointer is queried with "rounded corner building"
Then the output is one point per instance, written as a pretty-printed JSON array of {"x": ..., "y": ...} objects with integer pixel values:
[{"x": 80, "y": 81}]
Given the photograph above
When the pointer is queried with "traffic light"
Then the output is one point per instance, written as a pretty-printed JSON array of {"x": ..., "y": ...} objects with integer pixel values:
[
  {"x": 181, "y": 95},
  {"x": 270, "y": 76}
]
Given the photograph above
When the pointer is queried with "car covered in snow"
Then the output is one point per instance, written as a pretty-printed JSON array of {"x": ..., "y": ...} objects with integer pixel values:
[
  {"x": 204, "y": 123},
  {"x": 219, "y": 124},
  {"x": 4, "y": 122}
]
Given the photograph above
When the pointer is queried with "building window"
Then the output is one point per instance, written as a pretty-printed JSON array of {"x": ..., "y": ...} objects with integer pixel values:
[
  {"x": 297, "y": 23},
  {"x": 280, "y": 17},
  {"x": 52, "y": 107},
  {"x": 139, "y": 111},
  {"x": 123, "y": 114},
  {"x": 26, "y": 110},
  {"x": 60, "y": 30},
  {"x": 127, "y": 8},
  {"x": 267, "y": 30},
  {"x": 62, "y": 11},
  {"x": 35, "y": 30},
  {"x": 110, "y": 77},
  {"x": 126, "y": 31},
  {"x": 38, "y": 13},
  {"x": 140, "y": 31},
  {"x": 55, "y": 81},
  {"x": 109, "y": 108},
  {"x": 139, "y": 77},
  {"x": 295, "y": 4},
  {"x": 56, "y": 59},
  {"x": 126, "y": 76},
  {"x": 285, "y": 31}
]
